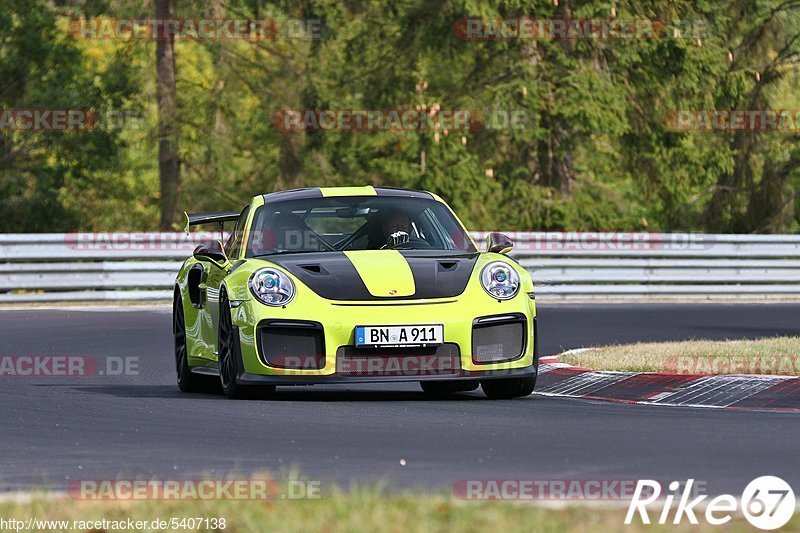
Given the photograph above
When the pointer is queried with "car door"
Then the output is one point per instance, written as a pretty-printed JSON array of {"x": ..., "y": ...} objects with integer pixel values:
[{"x": 217, "y": 273}]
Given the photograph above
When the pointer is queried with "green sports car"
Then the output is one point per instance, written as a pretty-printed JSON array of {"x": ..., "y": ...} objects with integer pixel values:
[{"x": 352, "y": 284}]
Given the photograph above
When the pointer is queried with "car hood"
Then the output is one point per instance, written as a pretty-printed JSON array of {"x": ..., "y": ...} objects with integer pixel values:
[{"x": 380, "y": 274}]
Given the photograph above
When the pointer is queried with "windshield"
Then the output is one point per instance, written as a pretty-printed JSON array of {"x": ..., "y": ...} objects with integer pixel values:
[{"x": 355, "y": 223}]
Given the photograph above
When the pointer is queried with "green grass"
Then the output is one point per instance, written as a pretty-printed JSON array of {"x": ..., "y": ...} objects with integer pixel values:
[
  {"x": 775, "y": 355},
  {"x": 359, "y": 510}
]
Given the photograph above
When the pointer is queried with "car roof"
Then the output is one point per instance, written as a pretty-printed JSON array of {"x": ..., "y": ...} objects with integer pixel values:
[{"x": 323, "y": 192}]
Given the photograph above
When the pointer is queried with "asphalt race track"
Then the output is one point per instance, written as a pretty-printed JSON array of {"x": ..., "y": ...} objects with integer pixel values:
[{"x": 56, "y": 429}]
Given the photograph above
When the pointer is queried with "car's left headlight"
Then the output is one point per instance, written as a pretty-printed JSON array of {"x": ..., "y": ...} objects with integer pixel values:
[
  {"x": 271, "y": 287},
  {"x": 500, "y": 280}
]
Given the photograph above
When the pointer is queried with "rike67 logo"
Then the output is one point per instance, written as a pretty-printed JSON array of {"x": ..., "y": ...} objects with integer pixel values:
[{"x": 767, "y": 502}]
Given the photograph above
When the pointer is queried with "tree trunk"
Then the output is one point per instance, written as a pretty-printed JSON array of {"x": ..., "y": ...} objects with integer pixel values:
[
  {"x": 168, "y": 158},
  {"x": 555, "y": 151}
]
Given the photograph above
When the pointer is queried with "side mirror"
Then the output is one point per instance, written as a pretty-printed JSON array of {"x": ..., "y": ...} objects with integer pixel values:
[
  {"x": 211, "y": 251},
  {"x": 498, "y": 243}
]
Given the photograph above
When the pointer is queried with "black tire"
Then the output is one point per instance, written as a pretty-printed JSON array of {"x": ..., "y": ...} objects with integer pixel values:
[
  {"x": 439, "y": 388},
  {"x": 229, "y": 358},
  {"x": 505, "y": 389},
  {"x": 187, "y": 380}
]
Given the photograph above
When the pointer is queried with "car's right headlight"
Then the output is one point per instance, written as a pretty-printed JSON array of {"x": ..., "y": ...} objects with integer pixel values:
[
  {"x": 271, "y": 287},
  {"x": 500, "y": 280}
]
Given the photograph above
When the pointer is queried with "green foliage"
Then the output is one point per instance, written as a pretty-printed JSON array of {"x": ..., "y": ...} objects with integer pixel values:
[
  {"x": 595, "y": 150},
  {"x": 51, "y": 180}
]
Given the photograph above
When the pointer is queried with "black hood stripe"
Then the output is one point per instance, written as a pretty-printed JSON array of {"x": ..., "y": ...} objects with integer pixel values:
[{"x": 332, "y": 276}]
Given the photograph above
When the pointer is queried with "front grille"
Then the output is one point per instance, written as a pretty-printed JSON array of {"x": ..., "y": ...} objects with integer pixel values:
[
  {"x": 498, "y": 338},
  {"x": 441, "y": 360},
  {"x": 291, "y": 344}
]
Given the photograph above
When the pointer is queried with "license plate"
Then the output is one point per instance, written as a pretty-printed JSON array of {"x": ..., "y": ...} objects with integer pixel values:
[{"x": 423, "y": 335}]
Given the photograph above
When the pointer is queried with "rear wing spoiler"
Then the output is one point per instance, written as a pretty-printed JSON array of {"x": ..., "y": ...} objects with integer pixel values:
[{"x": 196, "y": 219}]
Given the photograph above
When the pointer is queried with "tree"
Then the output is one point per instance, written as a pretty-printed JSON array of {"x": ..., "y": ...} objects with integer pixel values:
[
  {"x": 168, "y": 156},
  {"x": 41, "y": 67}
]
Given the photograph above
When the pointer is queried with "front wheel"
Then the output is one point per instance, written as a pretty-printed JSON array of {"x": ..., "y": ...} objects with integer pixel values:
[
  {"x": 229, "y": 357},
  {"x": 504, "y": 389},
  {"x": 227, "y": 360}
]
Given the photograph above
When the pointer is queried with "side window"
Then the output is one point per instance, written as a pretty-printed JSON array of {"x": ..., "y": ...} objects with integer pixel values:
[{"x": 234, "y": 244}]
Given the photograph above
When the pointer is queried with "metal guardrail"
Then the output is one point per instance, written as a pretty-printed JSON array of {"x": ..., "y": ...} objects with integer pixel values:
[{"x": 564, "y": 265}]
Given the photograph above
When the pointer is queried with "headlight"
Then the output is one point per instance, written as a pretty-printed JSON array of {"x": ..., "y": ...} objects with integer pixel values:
[
  {"x": 271, "y": 287},
  {"x": 500, "y": 280}
]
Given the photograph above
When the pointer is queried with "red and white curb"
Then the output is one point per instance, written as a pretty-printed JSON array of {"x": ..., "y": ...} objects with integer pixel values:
[{"x": 739, "y": 391}]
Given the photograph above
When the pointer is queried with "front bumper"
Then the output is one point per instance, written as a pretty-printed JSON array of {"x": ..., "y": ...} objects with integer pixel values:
[
  {"x": 338, "y": 321},
  {"x": 256, "y": 379}
]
